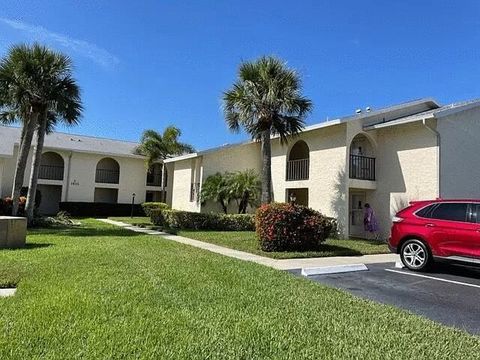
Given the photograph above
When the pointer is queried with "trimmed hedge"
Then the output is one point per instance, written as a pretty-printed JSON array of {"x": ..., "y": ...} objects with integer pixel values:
[
  {"x": 289, "y": 227},
  {"x": 89, "y": 209},
  {"x": 174, "y": 219},
  {"x": 149, "y": 206}
]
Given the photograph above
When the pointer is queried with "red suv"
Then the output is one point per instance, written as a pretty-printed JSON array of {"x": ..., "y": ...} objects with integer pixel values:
[{"x": 437, "y": 229}]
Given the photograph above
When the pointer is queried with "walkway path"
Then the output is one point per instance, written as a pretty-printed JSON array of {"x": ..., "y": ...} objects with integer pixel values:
[{"x": 283, "y": 264}]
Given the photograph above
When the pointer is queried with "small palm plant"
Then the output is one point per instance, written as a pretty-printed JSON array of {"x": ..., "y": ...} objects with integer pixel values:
[{"x": 266, "y": 101}]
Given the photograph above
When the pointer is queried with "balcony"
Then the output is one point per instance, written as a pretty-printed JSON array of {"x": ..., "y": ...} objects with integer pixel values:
[
  {"x": 106, "y": 176},
  {"x": 50, "y": 172},
  {"x": 298, "y": 169},
  {"x": 362, "y": 167}
]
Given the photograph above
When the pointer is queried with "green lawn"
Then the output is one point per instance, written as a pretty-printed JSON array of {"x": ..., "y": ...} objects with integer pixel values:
[
  {"x": 101, "y": 292},
  {"x": 246, "y": 241}
]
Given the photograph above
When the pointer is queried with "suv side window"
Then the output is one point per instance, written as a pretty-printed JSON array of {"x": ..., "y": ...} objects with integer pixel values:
[
  {"x": 450, "y": 211},
  {"x": 476, "y": 212},
  {"x": 426, "y": 212}
]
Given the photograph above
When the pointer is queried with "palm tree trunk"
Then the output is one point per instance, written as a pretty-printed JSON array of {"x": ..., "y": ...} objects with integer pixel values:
[
  {"x": 266, "y": 168},
  {"x": 36, "y": 160},
  {"x": 22, "y": 156}
]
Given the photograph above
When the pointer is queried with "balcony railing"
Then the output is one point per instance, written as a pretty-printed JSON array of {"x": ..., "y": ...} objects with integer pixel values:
[
  {"x": 362, "y": 167},
  {"x": 298, "y": 169},
  {"x": 154, "y": 179},
  {"x": 106, "y": 176},
  {"x": 50, "y": 172}
]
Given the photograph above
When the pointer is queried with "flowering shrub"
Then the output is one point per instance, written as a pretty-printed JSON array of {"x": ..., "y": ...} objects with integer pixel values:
[{"x": 288, "y": 227}]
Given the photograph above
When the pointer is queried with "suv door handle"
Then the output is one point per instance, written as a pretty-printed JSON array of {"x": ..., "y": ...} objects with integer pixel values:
[{"x": 431, "y": 225}]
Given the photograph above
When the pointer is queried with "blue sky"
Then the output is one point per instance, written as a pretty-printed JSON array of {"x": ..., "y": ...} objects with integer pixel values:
[{"x": 147, "y": 64}]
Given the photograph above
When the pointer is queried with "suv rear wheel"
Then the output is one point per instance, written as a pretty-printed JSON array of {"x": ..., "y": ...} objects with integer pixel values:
[{"x": 415, "y": 255}]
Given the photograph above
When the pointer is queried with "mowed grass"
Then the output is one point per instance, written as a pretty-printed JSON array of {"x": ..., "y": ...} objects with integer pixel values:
[
  {"x": 100, "y": 292},
  {"x": 246, "y": 241}
]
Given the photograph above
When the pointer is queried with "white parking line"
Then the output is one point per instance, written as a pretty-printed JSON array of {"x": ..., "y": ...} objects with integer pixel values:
[{"x": 434, "y": 278}]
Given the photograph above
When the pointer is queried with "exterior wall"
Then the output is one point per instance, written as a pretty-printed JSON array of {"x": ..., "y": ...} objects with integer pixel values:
[
  {"x": 182, "y": 180},
  {"x": 231, "y": 159},
  {"x": 459, "y": 155},
  {"x": 406, "y": 170},
  {"x": 326, "y": 183},
  {"x": 78, "y": 182}
]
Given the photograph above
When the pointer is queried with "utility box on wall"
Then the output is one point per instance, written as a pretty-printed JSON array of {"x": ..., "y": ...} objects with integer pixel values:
[{"x": 13, "y": 232}]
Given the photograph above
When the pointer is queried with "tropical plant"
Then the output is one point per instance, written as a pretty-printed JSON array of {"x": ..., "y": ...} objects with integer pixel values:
[
  {"x": 36, "y": 88},
  {"x": 266, "y": 101},
  {"x": 158, "y": 147},
  {"x": 244, "y": 188},
  {"x": 216, "y": 188}
]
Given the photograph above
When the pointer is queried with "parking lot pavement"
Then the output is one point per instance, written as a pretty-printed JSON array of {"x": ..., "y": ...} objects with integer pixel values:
[{"x": 448, "y": 294}]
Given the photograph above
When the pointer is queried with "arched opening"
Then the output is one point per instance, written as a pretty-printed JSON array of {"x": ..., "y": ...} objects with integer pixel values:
[
  {"x": 108, "y": 171},
  {"x": 362, "y": 158},
  {"x": 51, "y": 166},
  {"x": 298, "y": 162}
]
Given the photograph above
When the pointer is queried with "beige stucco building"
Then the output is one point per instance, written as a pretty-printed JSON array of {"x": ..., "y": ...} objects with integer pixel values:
[
  {"x": 386, "y": 157},
  {"x": 83, "y": 169}
]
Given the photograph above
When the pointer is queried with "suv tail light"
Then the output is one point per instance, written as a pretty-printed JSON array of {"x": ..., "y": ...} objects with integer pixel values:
[{"x": 397, "y": 219}]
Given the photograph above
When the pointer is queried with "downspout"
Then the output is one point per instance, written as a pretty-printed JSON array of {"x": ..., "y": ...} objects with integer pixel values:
[
  {"x": 67, "y": 187},
  {"x": 437, "y": 134}
]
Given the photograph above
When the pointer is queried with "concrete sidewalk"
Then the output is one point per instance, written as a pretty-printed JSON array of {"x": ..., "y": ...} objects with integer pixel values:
[{"x": 283, "y": 264}]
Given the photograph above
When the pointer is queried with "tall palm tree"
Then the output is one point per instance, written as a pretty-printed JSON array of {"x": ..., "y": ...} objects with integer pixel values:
[
  {"x": 19, "y": 101},
  {"x": 266, "y": 101},
  {"x": 36, "y": 86},
  {"x": 158, "y": 147}
]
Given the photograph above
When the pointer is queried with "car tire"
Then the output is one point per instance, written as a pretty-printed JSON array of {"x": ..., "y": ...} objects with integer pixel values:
[{"x": 415, "y": 255}]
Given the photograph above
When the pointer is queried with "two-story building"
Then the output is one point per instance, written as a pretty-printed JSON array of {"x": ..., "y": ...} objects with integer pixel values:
[
  {"x": 84, "y": 169},
  {"x": 385, "y": 157}
]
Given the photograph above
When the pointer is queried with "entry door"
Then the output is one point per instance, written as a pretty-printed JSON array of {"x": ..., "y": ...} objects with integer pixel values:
[{"x": 357, "y": 201}]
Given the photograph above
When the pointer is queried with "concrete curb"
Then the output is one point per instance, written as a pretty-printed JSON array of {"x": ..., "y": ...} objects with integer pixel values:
[{"x": 324, "y": 270}]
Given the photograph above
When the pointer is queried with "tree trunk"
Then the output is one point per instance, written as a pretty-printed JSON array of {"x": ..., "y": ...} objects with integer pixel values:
[
  {"x": 224, "y": 207},
  {"x": 36, "y": 160},
  {"x": 22, "y": 156},
  {"x": 266, "y": 168}
]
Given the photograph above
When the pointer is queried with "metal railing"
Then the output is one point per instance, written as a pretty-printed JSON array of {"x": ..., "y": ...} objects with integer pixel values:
[
  {"x": 154, "y": 179},
  {"x": 362, "y": 167},
  {"x": 107, "y": 176},
  {"x": 50, "y": 172},
  {"x": 298, "y": 169}
]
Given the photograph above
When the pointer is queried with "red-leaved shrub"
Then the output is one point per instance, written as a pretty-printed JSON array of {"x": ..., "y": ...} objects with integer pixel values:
[{"x": 289, "y": 227}]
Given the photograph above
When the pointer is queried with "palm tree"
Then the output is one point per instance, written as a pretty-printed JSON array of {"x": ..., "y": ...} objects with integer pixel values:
[
  {"x": 158, "y": 147},
  {"x": 36, "y": 87},
  {"x": 216, "y": 188},
  {"x": 19, "y": 101},
  {"x": 266, "y": 101},
  {"x": 244, "y": 187}
]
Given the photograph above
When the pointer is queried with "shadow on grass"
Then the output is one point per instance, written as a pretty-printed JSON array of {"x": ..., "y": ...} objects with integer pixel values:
[
  {"x": 86, "y": 232},
  {"x": 338, "y": 250}
]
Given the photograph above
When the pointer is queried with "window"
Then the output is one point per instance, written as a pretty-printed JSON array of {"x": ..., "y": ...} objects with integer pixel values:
[
  {"x": 426, "y": 212},
  {"x": 450, "y": 211},
  {"x": 476, "y": 213}
]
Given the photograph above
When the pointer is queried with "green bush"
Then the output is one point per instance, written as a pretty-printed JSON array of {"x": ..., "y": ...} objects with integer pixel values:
[
  {"x": 149, "y": 206},
  {"x": 288, "y": 227},
  {"x": 174, "y": 219}
]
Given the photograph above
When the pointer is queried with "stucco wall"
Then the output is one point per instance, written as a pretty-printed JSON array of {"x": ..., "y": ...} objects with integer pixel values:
[
  {"x": 80, "y": 185},
  {"x": 182, "y": 180},
  {"x": 460, "y": 155},
  {"x": 326, "y": 183},
  {"x": 406, "y": 170},
  {"x": 236, "y": 158}
]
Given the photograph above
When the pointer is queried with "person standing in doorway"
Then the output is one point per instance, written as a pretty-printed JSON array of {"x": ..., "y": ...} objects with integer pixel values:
[{"x": 370, "y": 221}]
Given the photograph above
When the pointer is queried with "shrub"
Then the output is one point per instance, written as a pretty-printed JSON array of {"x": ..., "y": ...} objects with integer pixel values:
[
  {"x": 289, "y": 227},
  {"x": 148, "y": 206},
  {"x": 174, "y": 219}
]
